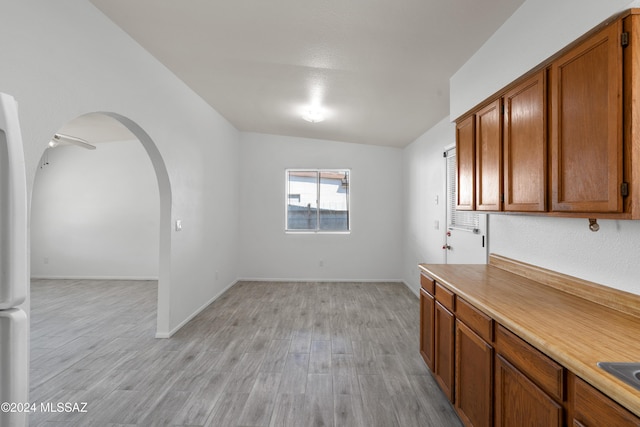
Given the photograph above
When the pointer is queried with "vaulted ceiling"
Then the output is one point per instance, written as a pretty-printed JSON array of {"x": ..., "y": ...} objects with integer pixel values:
[{"x": 379, "y": 69}]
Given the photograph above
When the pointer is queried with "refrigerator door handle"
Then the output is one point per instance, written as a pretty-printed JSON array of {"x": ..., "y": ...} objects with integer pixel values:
[{"x": 14, "y": 278}]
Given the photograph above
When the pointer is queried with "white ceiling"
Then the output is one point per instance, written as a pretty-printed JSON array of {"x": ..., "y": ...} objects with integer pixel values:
[{"x": 380, "y": 69}]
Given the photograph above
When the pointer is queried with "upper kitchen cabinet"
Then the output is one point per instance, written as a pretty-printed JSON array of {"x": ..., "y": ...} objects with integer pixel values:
[
  {"x": 586, "y": 125},
  {"x": 489, "y": 157},
  {"x": 564, "y": 139},
  {"x": 631, "y": 58},
  {"x": 465, "y": 161},
  {"x": 513, "y": 126},
  {"x": 525, "y": 146}
]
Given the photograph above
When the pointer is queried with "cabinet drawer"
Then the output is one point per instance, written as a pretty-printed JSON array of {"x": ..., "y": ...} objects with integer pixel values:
[
  {"x": 427, "y": 283},
  {"x": 592, "y": 408},
  {"x": 540, "y": 369},
  {"x": 479, "y": 322},
  {"x": 445, "y": 297}
]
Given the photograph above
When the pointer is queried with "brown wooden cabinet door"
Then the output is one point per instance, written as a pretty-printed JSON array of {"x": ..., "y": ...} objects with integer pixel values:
[
  {"x": 466, "y": 161},
  {"x": 593, "y": 409},
  {"x": 525, "y": 146},
  {"x": 474, "y": 378},
  {"x": 548, "y": 375},
  {"x": 444, "y": 349},
  {"x": 586, "y": 125},
  {"x": 489, "y": 157},
  {"x": 519, "y": 402},
  {"x": 427, "y": 307}
]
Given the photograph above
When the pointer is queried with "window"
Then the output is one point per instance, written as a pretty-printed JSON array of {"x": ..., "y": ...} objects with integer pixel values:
[
  {"x": 467, "y": 220},
  {"x": 317, "y": 200}
]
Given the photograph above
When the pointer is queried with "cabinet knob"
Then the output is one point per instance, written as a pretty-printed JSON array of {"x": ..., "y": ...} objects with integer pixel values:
[{"x": 447, "y": 247}]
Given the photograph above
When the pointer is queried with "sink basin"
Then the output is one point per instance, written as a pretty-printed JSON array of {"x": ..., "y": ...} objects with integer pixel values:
[{"x": 627, "y": 372}]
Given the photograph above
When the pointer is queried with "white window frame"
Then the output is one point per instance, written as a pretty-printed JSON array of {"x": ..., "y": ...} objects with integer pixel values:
[
  {"x": 458, "y": 220},
  {"x": 317, "y": 230}
]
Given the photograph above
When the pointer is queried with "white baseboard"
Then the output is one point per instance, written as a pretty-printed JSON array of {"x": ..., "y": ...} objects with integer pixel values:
[
  {"x": 49, "y": 277},
  {"x": 194, "y": 314},
  {"x": 307, "y": 279}
]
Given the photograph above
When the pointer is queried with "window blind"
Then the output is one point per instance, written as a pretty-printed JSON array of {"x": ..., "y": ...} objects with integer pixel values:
[{"x": 466, "y": 220}]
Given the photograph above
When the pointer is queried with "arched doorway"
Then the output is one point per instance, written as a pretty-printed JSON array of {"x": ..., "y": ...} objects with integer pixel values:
[{"x": 105, "y": 126}]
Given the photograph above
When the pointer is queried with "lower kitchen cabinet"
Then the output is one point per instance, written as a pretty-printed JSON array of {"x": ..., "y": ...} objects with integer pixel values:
[
  {"x": 427, "y": 308},
  {"x": 519, "y": 402},
  {"x": 593, "y": 409},
  {"x": 444, "y": 349},
  {"x": 529, "y": 386},
  {"x": 548, "y": 375},
  {"x": 474, "y": 371},
  {"x": 500, "y": 365}
]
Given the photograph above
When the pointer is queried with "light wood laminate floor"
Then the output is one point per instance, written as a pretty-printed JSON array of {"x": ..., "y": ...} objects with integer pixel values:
[{"x": 263, "y": 354}]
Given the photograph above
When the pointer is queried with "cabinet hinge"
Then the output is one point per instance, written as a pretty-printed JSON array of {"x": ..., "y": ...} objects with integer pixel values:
[
  {"x": 444, "y": 154},
  {"x": 624, "y": 189},
  {"x": 624, "y": 39}
]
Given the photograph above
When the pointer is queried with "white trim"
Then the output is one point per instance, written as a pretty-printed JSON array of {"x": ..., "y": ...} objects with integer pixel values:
[
  {"x": 96, "y": 277},
  {"x": 316, "y": 232},
  {"x": 195, "y": 313},
  {"x": 318, "y": 280}
]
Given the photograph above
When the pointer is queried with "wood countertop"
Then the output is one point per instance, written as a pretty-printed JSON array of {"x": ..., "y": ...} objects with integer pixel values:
[{"x": 542, "y": 307}]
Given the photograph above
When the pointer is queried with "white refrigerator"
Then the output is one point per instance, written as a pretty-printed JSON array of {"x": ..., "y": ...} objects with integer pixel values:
[{"x": 14, "y": 274}]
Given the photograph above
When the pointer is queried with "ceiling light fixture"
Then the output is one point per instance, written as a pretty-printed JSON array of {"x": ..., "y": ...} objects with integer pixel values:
[{"x": 313, "y": 115}]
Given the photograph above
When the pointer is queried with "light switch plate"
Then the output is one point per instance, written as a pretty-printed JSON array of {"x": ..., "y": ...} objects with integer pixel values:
[{"x": 178, "y": 225}]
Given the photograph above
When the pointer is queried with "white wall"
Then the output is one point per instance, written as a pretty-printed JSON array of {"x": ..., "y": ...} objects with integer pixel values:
[
  {"x": 536, "y": 31},
  {"x": 610, "y": 257},
  {"x": 424, "y": 177},
  {"x": 373, "y": 249},
  {"x": 95, "y": 213},
  {"x": 63, "y": 59}
]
